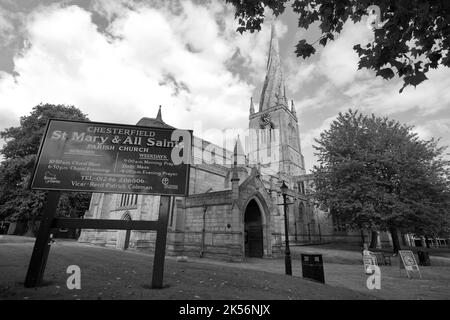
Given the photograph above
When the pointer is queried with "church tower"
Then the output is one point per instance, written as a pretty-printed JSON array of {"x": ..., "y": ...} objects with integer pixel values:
[{"x": 274, "y": 135}]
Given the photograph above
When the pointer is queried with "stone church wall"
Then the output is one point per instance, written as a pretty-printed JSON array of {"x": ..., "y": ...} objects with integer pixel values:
[
  {"x": 206, "y": 179},
  {"x": 213, "y": 213}
]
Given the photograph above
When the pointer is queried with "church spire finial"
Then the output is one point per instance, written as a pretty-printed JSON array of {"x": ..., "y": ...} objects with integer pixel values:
[
  {"x": 252, "y": 106},
  {"x": 238, "y": 153},
  {"x": 293, "y": 108},
  {"x": 235, "y": 175},
  {"x": 235, "y": 153},
  {"x": 158, "y": 116}
]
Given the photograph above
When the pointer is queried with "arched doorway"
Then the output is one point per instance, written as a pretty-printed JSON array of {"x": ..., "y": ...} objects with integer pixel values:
[
  {"x": 253, "y": 231},
  {"x": 123, "y": 239}
]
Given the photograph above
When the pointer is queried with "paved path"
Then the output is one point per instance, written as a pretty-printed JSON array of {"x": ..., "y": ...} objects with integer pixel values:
[{"x": 435, "y": 282}]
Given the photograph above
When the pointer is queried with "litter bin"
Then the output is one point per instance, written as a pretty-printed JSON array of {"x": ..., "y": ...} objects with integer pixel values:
[
  {"x": 312, "y": 267},
  {"x": 424, "y": 258}
]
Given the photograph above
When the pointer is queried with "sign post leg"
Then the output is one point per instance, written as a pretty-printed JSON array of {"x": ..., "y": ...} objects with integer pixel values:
[
  {"x": 160, "y": 247},
  {"x": 41, "y": 248}
]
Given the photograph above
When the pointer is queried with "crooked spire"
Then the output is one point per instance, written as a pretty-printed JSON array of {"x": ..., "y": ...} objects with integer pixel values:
[{"x": 273, "y": 92}]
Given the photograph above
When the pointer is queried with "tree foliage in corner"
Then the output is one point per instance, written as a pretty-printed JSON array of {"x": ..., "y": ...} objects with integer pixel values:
[
  {"x": 375, "y": 173},
  {"x": 17, "y": 202},
  {"x": 414, "y": 39}
]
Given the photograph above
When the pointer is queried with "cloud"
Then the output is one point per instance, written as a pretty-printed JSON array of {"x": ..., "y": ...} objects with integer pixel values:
[
  {"x": 146, "y": 57},
  {"x": 11, "y": 28},
  {"x": 439, "y": 128},
  {"x": 252, "y": 48},
  {"x": 298, "y": 75},
  {"x": 119, "y": 60},
  {"x": 423, "y": 132},
  {"x": 319, "y": 98},
  {"x": 307, "y": 141},
  {"x": 338, "y": 61},
  {"x": 113, "y": 9},
  {"x": 6, "y": 27},
  {"x": 382, "y": 96}
]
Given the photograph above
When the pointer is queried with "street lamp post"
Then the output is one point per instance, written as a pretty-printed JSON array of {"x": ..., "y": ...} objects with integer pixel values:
[
  {"x": 295, "y": 229},
  {"x": 287, "y": 252}
]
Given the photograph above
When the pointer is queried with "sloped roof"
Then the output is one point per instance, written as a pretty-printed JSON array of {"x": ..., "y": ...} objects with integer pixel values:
[{"x": 152, "y": 122}]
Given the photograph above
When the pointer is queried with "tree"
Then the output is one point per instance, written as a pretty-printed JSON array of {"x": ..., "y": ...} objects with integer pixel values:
[
  {"x": 377, "y": 174},
  {"x": 413, "y": 38},
  {"x": 17, "y": 202}
]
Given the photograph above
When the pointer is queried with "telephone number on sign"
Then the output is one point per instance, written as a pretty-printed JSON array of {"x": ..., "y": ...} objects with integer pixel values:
[{"x": 110, "y": 179}]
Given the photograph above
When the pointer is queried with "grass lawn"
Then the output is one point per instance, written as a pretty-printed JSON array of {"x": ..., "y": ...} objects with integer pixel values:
[{"x": 113, "y": 274}]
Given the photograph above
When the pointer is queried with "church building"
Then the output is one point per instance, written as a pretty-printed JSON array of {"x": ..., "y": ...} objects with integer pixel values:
[{"x": 234, "y": 208}]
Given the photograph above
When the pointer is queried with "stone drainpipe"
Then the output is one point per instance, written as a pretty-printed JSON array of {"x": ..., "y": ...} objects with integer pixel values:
[{"x": 202, "y": 252}]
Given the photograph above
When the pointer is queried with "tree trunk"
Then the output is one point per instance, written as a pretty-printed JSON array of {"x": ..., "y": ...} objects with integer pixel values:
[
  {"x": 427, "y": 243},
  {"x": 395, "y": 240},
  {"x": 363, "y": 238},
  {"x": 403, "y": 239},
  {"x": 30, "y": 227},
  {"x": 374, "y": 239}
]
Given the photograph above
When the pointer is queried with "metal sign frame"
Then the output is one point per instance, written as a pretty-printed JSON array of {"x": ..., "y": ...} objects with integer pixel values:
[{"x": 38, "y": 261}]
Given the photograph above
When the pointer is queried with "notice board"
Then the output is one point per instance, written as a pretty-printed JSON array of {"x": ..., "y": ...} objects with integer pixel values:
[{"x": 115, "y": 158}]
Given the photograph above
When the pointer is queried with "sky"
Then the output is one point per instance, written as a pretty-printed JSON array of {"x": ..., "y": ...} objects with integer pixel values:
[{"x": 118, "y": 61}]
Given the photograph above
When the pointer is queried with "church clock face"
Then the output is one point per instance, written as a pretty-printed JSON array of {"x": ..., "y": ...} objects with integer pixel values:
[{"x": 264, "y": 120}]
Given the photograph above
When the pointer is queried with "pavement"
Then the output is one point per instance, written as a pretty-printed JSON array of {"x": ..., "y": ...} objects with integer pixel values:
[{"x": 344, "y": 269}]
